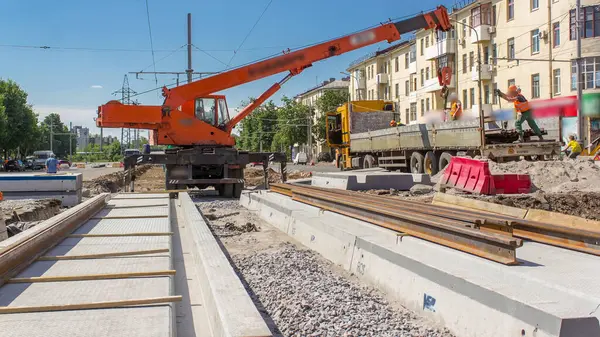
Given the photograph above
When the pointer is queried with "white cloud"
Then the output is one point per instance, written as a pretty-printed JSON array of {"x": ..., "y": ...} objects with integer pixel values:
[{"x": 96, "y": 86}]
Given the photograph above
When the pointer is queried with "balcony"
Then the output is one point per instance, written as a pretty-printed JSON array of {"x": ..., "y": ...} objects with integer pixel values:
[
  {"x": 383, "y": 78},
  {"x": 433, "y": 84},
  {"x": 446, "y": 46},
  {"x": 412, "y": 67},
  {"x": 486, "y": 73},
  {"x": 482, "y": 35}
]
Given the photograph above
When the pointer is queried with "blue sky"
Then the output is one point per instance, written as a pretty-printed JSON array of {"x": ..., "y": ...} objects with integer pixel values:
[{"x": 74, "y": 82}]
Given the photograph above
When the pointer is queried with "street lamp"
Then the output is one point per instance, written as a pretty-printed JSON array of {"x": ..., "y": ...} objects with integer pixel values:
[{"x": 480, "y": 101}]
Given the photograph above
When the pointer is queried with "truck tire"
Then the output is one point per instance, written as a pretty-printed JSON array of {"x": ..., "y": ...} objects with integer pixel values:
[
  {"x": 237, "y": 190},
  {"x": 368, "y": 162},
  {"x": 416, "y": 162},
  {"x": 430, "y": 165},
  {"x": 445, "y": 158}
]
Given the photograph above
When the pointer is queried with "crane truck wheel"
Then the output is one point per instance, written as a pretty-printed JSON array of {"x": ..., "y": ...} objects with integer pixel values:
[
  {"x": 416, "y": 162},
  {"x": 431, "y": 163},
  {"x": 445, "y": 158}
]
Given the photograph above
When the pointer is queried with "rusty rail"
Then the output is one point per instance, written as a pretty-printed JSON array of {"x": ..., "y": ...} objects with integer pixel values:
[
  {"x": 583, "y": 240},
  {"x": 447, "y": 232}
]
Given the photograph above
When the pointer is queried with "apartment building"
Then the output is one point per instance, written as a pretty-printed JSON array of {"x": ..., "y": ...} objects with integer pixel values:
[{"x": 495, "y": 43}]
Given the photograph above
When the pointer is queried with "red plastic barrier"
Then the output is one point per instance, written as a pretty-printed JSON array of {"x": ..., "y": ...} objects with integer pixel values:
[
  {"x": 468, "y": 175},
  {"x": 474, "y": 176},
  {"x": 121, "y": 164},
  {"x": 512, "y": 183}
]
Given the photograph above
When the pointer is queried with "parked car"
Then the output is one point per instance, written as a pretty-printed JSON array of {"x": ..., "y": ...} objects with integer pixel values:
[
  {"x": 28, "y": 164},
  {"x": 14, "y": 166},
  {"x": 64, "y": 162},
  {"x": 301, "y": 158}
]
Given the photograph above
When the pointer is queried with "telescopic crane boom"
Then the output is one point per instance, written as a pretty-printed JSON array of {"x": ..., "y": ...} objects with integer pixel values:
[{"x": 192, "y": 115}]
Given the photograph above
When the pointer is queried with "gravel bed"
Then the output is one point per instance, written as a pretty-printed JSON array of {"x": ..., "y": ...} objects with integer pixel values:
[{"x": 305, "y": 297}]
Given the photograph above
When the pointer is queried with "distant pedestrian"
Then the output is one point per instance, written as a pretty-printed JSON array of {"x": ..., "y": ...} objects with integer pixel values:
[
  {"x": 51, "y": 164},
  {"x": 573, "y": 148}
]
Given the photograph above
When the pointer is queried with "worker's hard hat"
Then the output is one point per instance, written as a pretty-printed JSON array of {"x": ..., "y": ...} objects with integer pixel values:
[{"x": 513, "y": 88}]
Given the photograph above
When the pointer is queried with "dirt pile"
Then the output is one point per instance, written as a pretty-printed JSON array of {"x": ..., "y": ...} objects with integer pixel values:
[
  {"x": 14, "y": 211},
  {"x": 255, "y": 177},
  {"x": 555, "y": 176},
  {"x": 113, "y": 182}
]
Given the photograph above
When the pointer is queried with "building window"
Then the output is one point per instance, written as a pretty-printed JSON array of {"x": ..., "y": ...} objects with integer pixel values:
[
  {"x": 407, "y": 87},
  {"x": 486, "y": 54},
  {"x": 535, "y": 86},
  {"x": 494, "y": 96},
  {"x": 397, "y": 86},
  {"x": 535, "y": 4},
  {"x": 465, "y": 101},
  {"x": 413, "y": 112},
  {"x": 464, "y": 63},
  {"x": 406, "y": 61},
  {"x": 510, "y": 10},
  {"x": 422, "y": 77},
  {"x": 486, "y": 94},
  {"x": 556, "y": 82},
  {"x": 464, "y": 28},
  {"x": 480, "y": 15},
  {"x": 493, "y": 15},
  {"x": 472, "y": 96},
  {"x": 427, "y": 104},
  {"x": 427, "y": 73},
  {"x": 387, "y": 92},
  {"x": 510, "y": 48},
  {"x": 590, "y": 22},
  {"x": 471, "y": 59},
  {"x": 406, "y": 116},
  {"x": 556, "y": 34},
  {"x": 535, "y": 41},
  {"x": 422, "y": 47},
  {"x": 590, "y": 73},
  {"x": 426, "y": 41},
  {"x": 422, "y": 108},
  {"x": 396, "y": 64},
  {"x": 413, "y": 53}
]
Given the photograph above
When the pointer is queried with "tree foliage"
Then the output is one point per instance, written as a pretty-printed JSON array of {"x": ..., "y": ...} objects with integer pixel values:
[
  {"x": 18, "y": 122},
  {"x": 328, "y": 102}
]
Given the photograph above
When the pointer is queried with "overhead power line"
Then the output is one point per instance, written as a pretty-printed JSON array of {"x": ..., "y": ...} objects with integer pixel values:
[{"x": 151, "y": 42}]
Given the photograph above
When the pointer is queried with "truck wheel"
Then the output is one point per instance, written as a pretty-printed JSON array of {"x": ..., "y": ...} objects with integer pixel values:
[
  {"x": 445, "y": 158},
  {"x": 237, "y": 190},
  {"x": 368, "y": 162},
  {"x": 416, "y": 162},
  {"x": 431, "y": 163}
]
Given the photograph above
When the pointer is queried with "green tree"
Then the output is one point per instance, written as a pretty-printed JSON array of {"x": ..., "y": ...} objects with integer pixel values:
[
  {"x": 17, "y": 120},
  {"x": 62, "y": 146},
  {"x": 259, "y": 127},
  {"x": 329, "y": 102},
  {"x": 291, "y": 129}
]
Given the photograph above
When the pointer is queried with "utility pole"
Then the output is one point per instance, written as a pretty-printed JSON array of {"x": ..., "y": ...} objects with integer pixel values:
[
  {"x": 126, "y": 94},
  {"x": 579, "y": 79},
  {"x": 189, "y": 69}
]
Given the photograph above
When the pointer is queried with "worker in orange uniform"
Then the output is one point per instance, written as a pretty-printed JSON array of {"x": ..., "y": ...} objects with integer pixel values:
[
  {"x": 455, "y": 107},
  {"x": 393, "y": 123},
  {"x": 522, "y": 109}
]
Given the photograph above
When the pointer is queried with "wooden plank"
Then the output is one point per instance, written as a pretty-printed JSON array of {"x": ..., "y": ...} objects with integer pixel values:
[
  {"x": 103, "y": 255},
  {"x": 562, "y": 219},
  {"x": 110, "y": 235},
  {"x": 444, "y": 199},
  {"x": 38, "y": 279},
  {"x": 92, "y": 305}
]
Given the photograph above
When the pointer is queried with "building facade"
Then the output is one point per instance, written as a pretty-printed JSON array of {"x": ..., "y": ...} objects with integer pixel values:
[
  {"x": 529, "y": 43},
  {"x": 310, "y": 97}
]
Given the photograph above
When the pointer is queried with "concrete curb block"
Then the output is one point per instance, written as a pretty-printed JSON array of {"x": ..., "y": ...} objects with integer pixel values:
[
  {"x": 470, "y": 296},
  {"x": 231, "y": 311}
]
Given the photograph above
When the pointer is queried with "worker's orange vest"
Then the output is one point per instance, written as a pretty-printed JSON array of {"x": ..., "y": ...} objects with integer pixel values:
[{"x": 521, "y": 106}]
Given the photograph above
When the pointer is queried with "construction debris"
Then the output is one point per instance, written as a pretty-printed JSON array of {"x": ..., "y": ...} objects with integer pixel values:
[{"x": 255, "y": 176}]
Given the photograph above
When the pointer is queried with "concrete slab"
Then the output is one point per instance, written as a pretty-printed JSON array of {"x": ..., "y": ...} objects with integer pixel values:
[
  {"x": 552, "y": 293},
  {"x": 63, "y": 186},
  {"x": 369, "y": 180}
]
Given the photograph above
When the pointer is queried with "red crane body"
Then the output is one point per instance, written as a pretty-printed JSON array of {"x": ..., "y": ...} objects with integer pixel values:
[{"x": 192, "y": 115}]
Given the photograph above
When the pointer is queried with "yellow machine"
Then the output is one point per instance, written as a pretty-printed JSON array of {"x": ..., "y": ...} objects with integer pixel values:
[{"x": 356, "y": 117}]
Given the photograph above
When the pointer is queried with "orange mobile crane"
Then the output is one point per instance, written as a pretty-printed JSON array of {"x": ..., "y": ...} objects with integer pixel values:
[{"x": 197, "y": 121}]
